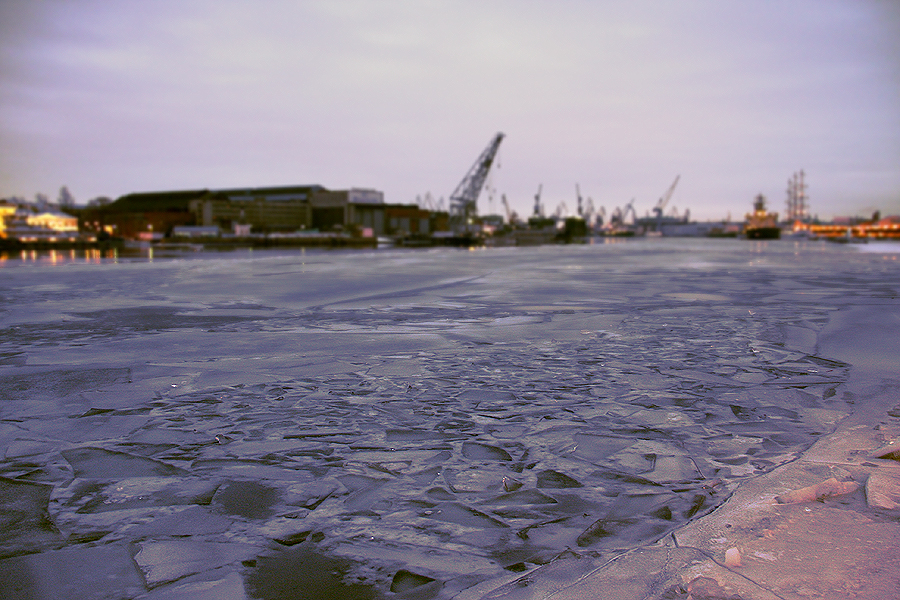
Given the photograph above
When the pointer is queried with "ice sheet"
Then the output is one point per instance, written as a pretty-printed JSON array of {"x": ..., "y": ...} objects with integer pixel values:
[{"x": 490, "y": 407}]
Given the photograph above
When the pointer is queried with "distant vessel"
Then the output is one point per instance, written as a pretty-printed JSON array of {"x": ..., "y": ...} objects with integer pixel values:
[{"x": 761, "y": 224}]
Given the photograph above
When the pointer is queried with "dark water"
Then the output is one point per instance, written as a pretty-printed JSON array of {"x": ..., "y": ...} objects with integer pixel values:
[{"x": 421, "y": 420}]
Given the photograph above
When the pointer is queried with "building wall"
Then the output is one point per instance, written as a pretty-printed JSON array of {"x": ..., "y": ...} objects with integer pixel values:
[
  {"x": 273, "y": 209},
  {"x": 407, "y": 219},
  {"x": 6, "y": 211},
  {"x": 364, "y": 196},
  {"x": 54, "y": 221},
  {"x": 261, "y": 214}
]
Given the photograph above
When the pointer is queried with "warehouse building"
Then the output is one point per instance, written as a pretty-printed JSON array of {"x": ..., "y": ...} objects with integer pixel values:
[{"x": 265, "y": 210}]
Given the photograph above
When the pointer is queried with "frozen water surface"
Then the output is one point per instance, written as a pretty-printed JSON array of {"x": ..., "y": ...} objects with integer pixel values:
[{"x": 411, "y": 422}]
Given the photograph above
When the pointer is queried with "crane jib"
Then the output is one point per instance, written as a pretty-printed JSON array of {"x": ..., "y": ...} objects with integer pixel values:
[{"x": 464, "y": 199}]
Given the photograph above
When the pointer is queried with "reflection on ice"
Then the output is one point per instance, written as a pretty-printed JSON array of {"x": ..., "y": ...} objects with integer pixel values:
[{"x": 415, "y": 429}]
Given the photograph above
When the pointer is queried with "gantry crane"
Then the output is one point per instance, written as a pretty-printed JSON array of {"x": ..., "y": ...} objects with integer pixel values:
[{"x": 464, "y": 199}]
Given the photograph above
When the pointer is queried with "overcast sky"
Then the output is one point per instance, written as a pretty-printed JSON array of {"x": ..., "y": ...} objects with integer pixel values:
[{"x": 619, "y": 97}]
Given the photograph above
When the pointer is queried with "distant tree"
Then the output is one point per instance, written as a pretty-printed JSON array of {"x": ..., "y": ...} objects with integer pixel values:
[
  {"x": 100, "y": 201},
  {"x": 66, "y": 199},
  {"x": 41, "y": 201}
]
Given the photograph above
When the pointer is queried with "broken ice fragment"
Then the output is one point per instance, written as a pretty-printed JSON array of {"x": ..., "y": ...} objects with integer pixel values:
[
  {"x": 97, "y": 463},
  {"x": 84, "y": 572},
  {"x": 667, "y": 469},
  {"x": 412, "y": 435},
  {"x": 404, "y": 581},
  {"x": 247, "y": 499},
  {"x": 24, "y": 523},
  {"x": 439, "y": 494},
  {"x": 510, "y": 484},
  {"x": 293, "y": 539},
  {"x": 460, "y": 514},
  {"x": 523, "y": 497},
  {"x": 190, "y": 521},
  {"x": 602, "y": 528},
  {"x": 310, "y": 494},
  {"x": 478, "y": 451},
  {"x": 597, "y": 448},
  {"x": 230, "y": 587},
  {"x": 296, "y": 572},
  {"x": 486, "y": 399},
  {"x": 556, "y": 480},
  {"x": 162, "y": 562}
]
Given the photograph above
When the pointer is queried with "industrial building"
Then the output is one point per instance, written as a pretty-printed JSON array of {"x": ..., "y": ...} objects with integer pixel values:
[{"x": 356, "y": 211}]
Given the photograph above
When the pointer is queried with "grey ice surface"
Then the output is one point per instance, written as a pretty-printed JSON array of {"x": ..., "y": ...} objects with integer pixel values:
[{"x": 201, "y": 424}]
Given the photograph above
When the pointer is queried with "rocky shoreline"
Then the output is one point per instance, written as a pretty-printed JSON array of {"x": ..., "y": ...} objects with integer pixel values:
[{"x": 825, "y": 525}]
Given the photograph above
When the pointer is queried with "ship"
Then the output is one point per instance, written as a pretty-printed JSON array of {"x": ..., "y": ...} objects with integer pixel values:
[{"x": 761, "y": 224}]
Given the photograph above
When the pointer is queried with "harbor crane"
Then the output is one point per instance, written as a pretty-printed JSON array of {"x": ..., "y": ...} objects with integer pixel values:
[
  {"x": 464, "y": 199},
  {"x": 538, "y": 207},
  {"x": 661, "y": 205},
  {"x": 510, "y": 214},
  {"x": 629, "y": 208},
  {"x": 619, "y": 217},
  {"x": 600, "y": 216},
  {"x": 562, "y": 211},
  {"x": 589, "y": 211},
  {"x": 580, "y": 201}
]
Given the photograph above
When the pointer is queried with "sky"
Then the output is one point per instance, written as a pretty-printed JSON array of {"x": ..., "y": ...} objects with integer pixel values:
[{"x": 617, "y": 97}]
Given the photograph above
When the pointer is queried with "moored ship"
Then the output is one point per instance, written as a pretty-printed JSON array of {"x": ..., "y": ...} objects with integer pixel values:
[{"x": 761, "y": 224}]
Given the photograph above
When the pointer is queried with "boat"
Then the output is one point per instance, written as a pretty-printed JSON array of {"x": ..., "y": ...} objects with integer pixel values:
[{"x": 761, "y": 224}]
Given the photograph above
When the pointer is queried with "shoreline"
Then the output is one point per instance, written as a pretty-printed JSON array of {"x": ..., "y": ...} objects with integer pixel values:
[{"x": 829, "y": 548}]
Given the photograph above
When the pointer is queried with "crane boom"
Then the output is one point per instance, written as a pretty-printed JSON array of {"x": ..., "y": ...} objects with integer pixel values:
[
  {"x": 661, "y": 205},
  {"x": 464, "y": 199},
  {"x": 509, "y": 217}
]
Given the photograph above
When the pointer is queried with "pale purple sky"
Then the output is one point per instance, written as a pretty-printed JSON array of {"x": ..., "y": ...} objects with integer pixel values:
[{"x": 109, "y": 98}]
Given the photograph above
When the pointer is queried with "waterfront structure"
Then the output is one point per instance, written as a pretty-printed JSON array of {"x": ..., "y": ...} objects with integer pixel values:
[
  {"x": 274, "y": 209},
  {"x": 137, "y": 215},
  {"x": 7, "y": 210},
  {"x": 25, "y": 223},
  {"x": 878, "y": 228},
  {"x": 259, "y": 211}
]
